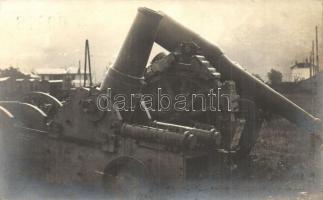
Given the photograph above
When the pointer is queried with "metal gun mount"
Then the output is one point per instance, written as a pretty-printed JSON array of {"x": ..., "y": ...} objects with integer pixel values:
[{"x": 90, "y": 145}]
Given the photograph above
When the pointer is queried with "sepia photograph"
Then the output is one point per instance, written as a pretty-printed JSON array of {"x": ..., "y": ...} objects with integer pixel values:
[{"x": 161, "y": 100}]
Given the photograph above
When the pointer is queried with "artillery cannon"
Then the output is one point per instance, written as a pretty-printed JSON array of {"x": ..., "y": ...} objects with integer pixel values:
[
  {"x": 83, "y": 143},
  {"x": 91, "y": 145},
  {"x": 171, "y": 33}
]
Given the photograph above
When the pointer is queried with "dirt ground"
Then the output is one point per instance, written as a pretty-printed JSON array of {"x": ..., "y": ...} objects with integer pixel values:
[{"x": 286, "y": 164}]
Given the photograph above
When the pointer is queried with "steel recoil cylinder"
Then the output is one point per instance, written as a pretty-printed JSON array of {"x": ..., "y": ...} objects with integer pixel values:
[
  {"x": 209, "y": 137},
  {"x": 158, "y": 136}
]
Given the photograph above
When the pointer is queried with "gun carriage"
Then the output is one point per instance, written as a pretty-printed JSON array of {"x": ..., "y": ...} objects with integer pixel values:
[{"x": 78, "y": 142}]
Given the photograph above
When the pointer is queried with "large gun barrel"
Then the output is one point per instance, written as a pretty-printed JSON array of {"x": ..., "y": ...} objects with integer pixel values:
[
  {"x": 126, "y": 74},
  {"x": 171, "y": 33}
]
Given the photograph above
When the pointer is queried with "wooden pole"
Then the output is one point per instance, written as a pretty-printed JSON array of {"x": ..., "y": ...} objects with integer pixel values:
[
  {"x": 317, "y": 51},
  {"x": 79, "y": 73},
  {"x": 312, "y": 59},
  {"x": 85, "y": 63},
  {"x": 89, "y": 60}
]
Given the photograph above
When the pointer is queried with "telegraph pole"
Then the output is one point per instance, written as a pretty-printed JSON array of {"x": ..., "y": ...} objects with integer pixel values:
[
  {"x": 312, "y": 60},
  {"x": 79, "y": 73},
  {"x": 317, "y": 50},
  {"x": 87, "y": 60}
]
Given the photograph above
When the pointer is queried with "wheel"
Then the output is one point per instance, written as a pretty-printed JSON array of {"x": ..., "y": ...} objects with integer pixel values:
[
  {"x": 47, "y": 103},
  {"x": 127, "y": 178},
  {"x": 250, "y": 132}
]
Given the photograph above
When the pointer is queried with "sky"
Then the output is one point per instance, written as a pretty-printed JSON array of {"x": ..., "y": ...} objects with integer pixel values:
[{"x": 258, "y": 34}]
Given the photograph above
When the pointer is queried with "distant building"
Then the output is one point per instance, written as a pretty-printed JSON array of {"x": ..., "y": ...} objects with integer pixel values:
[
  {"x": 6, "y": 87},
  {"x": 76, "y": 76},
  {"x": 305, "y": 93},
  {"x": 47, "y": 74},
  {"x": 301, "y": 71},
  {"x": 13, "y": 87},
  {"x": 71, "y": 76}
]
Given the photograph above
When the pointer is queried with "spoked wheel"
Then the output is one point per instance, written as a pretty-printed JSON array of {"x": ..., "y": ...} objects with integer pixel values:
[
  {"x": 253, "y": 121},
  {"x": 127, "y": 180},
  {"x": 47, "y": 103}
]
